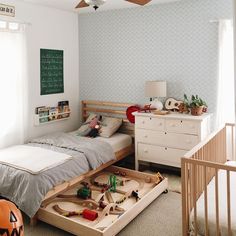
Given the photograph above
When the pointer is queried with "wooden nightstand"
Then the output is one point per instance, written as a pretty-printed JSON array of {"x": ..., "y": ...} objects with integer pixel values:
[{"x": 164, "y": 139}]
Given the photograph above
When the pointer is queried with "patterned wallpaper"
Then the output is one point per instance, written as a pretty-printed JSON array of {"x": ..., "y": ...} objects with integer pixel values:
[{"x": 121, "y": 49}]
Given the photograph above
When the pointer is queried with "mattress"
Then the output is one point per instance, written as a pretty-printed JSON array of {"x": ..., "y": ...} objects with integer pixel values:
[
  {"x": 118, "y": 141},
  {"x": 222, "y": 206}
]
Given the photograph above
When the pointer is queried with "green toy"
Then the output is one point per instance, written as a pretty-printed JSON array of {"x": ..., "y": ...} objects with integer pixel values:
[
  {"x": 84, "y": 193},
  {"x": 112, "y": 183}
]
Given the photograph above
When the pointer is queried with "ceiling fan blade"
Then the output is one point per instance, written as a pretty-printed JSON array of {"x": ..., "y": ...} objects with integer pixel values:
[
  {"x": 139, "y": 2},
  {"x": 82, "y": 4}
]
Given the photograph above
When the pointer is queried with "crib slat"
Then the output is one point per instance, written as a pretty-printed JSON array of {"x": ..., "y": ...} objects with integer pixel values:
[
  {"x": 185, "y": 196},
  {"x": 188, "y": 188},
  {"x": 217, "y": 202},
  {"x": 233, "y": 142},
  {"x": 194, "y": 176},
  {"x": 228, "y": 204},
  {"x": 206, "y": 201}
]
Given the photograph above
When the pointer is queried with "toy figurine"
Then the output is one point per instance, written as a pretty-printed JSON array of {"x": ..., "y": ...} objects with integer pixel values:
[
  {"x": 112, "y": 183},
  {"x": 159, "y": 177},
  {"x": 135, "y": 195},
  {"x": 84, "y": 192}
]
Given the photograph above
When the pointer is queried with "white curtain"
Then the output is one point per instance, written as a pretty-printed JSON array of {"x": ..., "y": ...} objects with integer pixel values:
[
  {"x": 13, "y": 85},
  {"x": 225, "y": 95},
  {"x": 226, "y": 91}
]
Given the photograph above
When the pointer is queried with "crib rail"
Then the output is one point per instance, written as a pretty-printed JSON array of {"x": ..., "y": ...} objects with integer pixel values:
[{"x": 198, "y": 167}]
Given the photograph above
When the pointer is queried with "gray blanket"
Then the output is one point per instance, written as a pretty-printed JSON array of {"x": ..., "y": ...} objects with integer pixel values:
[{"x": 28, "y": 191}]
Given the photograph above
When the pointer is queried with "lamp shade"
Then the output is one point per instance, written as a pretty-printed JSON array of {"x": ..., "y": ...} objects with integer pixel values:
[{"x": 155, "y": 89}]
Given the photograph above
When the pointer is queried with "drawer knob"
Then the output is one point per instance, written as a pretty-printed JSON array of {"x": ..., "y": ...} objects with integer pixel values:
[
  {"x": 145, "y": 136},
  {"x": 145, "y": 150},
  {"x": 160, "y": 124},
  {"x": 143, "y": 122}
]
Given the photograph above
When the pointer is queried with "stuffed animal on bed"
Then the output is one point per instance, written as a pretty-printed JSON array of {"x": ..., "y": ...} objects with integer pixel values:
[
  {"x": 95, "y": 125},
  {"x": 91, "y": 127},
  {"x": 94, "y": 131}
]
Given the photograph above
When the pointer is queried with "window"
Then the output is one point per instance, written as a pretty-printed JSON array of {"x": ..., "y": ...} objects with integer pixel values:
[
  {"x": 13, "y": 83},
  {"x": 225, "y": 98}
]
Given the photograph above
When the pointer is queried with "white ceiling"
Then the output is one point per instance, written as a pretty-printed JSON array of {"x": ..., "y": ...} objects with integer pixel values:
[{"x": 69, "y": 5}]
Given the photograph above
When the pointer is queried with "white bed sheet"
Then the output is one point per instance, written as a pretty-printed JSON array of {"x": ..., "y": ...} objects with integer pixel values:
[
  {"x": 222, "y": 206},
  {"x": 118, "y": 141}
]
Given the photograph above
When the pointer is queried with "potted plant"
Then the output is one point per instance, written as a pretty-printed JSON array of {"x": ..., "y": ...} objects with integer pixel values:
[{"x": 196, "y": 105}]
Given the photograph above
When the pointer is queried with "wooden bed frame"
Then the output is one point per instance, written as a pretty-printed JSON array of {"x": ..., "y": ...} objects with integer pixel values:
[
  {"x": 198, "y": 167},
  {"x": 112, "y": 109}
]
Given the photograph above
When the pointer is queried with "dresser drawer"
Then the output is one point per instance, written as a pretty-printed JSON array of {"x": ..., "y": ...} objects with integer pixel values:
[
  {"x": 149, "y": 123},
  {"x": 182, "y": 126},
  {"x": 182, "y": 141},
  {"x": 150, "y": 136},
  {"x": 160, "y": 155},
  {"x": 174, "y": 140}
]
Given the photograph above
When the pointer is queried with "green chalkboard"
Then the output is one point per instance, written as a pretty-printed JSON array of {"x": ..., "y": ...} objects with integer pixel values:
[{"x": 51, "y": 71}]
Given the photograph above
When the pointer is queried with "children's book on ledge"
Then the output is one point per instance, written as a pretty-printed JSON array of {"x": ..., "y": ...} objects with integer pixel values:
[{"x": 45, "y": 114}]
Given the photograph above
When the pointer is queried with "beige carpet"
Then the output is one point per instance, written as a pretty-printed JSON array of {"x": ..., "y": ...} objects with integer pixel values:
[{"x": 161, "y": 218}]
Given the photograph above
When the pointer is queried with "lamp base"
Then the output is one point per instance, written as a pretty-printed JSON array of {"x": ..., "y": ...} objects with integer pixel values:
[{"x": 156, "y": 104}]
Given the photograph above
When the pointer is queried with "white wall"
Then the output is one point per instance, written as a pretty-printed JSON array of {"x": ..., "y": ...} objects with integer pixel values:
[{"x": 53, "y": 29}]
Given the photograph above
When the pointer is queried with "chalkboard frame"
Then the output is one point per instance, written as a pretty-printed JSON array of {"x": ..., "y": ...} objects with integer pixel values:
[{"x": 45, "y": 79}]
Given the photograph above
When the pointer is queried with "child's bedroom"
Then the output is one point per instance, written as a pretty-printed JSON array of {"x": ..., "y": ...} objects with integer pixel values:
[{"x": 118, "y": 118}]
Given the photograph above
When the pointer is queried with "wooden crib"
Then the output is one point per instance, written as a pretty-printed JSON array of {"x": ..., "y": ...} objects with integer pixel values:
[{"x": 207, "y": 194}]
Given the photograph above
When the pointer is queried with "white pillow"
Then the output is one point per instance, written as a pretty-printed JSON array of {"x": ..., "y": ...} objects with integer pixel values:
[{"x": 109, "y": 126}]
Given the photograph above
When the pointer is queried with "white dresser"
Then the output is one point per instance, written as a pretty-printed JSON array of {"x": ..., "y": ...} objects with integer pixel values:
[{"x": 164, "y": 139}]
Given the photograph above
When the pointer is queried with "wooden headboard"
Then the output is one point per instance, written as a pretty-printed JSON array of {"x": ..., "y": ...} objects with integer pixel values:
[{"x": 112, "y": 109}]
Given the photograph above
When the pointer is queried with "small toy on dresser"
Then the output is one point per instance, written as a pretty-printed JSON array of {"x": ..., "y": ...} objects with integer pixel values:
[
  {"x": 171, "y": 104},
  {"x": 137, "y": 108}
]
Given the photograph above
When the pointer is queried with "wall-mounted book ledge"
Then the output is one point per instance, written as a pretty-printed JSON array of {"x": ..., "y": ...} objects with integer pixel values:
[{"x": 46, "y": 115}]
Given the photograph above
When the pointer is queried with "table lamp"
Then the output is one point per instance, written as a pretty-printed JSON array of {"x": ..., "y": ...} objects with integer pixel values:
[{"x": 155, "y": 90}]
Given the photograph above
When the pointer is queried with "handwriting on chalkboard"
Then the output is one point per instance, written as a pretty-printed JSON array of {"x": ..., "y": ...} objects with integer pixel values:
[{"x": 51, "y": 71}]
